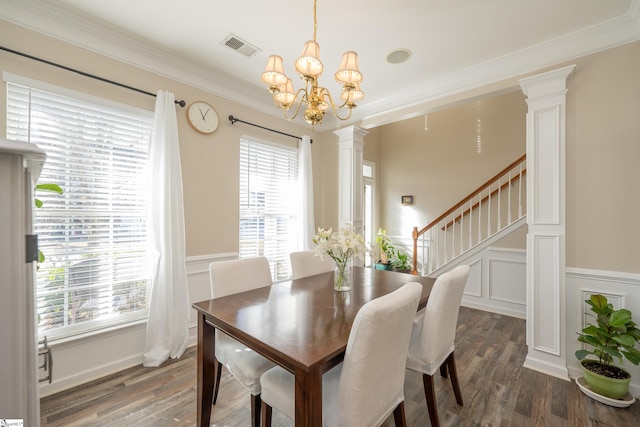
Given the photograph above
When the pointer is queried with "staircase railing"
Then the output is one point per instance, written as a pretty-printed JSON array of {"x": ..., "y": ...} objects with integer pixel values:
[{"x": 474, "y": 219}]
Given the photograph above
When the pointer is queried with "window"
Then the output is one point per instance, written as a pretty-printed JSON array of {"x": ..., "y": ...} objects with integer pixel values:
[
  {"x": 93, "y": 236},
  {"x": 268, "y": 184}
]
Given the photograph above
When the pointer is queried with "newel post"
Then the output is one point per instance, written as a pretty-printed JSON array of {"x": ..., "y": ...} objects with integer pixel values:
[{"x": 415, "y": 250}]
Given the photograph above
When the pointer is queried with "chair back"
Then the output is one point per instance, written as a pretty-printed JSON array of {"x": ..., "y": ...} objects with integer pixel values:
[
  {"x": 238, "y": 275},
  {"x": 372, "y": 380},
  {"x": 433, "y": 339},
  {"x": 307, "y": 263}
]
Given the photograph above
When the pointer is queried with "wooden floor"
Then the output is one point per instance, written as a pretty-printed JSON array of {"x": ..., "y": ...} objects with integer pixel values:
[{"x": 490, "y": 351}]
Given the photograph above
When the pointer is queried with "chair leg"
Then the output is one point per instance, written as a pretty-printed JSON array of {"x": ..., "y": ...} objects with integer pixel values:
[
  {"x": 398, "y": 415},
  {"x": 443, "y": 370},
  {"x": 216, "y": 383},
  {"x": 451, "y": 363},
  {"x": 255, "y": 410},
  {"x": 266, "y": 414},
  {"x": 430, "y": 394}
]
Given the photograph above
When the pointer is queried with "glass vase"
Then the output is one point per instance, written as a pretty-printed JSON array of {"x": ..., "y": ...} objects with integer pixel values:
[{"x": 342, "y": 278}]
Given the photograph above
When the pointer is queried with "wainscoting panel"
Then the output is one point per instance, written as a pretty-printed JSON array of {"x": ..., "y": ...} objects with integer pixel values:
[
  {"x": 199, "y": 285},
  {"x": 505, "y": 281},
  {"x": 621, "y": 289},
  {"x": 474, "y": 282},
  {"x": 496, "y": 281}
]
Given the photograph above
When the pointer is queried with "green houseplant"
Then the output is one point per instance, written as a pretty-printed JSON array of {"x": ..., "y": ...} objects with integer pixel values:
[
  {"x": 613, "y": 336},
  {"x": 385, "y": 251},
  {"x": 52, "y": 188},
  {"x": 401, "y": 261}
]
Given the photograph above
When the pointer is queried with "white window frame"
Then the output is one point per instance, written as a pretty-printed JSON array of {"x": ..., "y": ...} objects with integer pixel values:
[
  {"x": 276, "y": 215},
  {"x": 117, "y": 268}
]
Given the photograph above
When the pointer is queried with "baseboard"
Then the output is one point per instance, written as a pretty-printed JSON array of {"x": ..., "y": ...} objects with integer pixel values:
[
  {"x": 546, "y": 368},
  {"x": 80, "y": 378},
  {"x": 519, "y": 314}
]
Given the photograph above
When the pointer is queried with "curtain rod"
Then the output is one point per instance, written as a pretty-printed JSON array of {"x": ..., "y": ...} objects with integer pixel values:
[
  {"x": 235, "y": 119},
  {"x": 180, "y": 103}
]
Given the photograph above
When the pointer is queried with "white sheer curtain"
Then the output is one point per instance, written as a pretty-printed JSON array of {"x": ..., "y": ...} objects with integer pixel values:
[
  {"x": 168, "y": 323},
  {"x": 305, "y": 181}
]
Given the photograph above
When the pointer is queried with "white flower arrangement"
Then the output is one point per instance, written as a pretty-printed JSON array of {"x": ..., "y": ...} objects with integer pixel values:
[{"x": 341, "y": 246}]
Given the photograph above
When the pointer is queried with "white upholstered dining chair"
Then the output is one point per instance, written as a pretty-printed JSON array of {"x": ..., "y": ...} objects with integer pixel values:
[
  {"x": 227, "y": 278},
  {"x": 307, "y": 263},
  {"x": 368, "y": 385},
  {"x": 433, "y": 334}
]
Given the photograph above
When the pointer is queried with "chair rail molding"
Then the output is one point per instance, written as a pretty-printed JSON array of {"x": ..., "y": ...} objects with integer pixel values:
[{"x": 545, "y": 142}]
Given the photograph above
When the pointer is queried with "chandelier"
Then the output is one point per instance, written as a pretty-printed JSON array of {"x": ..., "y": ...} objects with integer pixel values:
[{"x": 316, "y": 99}]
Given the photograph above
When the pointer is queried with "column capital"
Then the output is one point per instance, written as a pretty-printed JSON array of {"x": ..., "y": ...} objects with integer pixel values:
[
  {"x": 547, "y": 84},
  {"x": 351, "y": 133}
]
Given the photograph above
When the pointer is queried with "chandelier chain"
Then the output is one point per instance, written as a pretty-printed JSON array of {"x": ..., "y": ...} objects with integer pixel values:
[{"x": 315, "y": 21}]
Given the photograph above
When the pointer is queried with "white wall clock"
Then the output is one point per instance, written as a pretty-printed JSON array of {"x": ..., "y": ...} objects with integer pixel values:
[{"x": 202, "y": 117}]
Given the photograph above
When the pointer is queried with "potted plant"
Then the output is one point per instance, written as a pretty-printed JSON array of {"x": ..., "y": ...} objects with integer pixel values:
[
  {"x": 614, "y": 335},
  {"x": 385, "y": 251},
  {"x": 401, "y": 261}
]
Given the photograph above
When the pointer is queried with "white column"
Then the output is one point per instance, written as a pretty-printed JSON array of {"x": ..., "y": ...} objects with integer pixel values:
[
  {"x": 20, "y": 165},
  {"x": 350, "y": 184},
  {"x": 546, "y": 340}
]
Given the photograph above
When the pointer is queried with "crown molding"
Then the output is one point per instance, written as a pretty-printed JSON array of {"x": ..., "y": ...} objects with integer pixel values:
[
  {"x": 606, "y": 35},
  {"x": 52, "y": 22}
]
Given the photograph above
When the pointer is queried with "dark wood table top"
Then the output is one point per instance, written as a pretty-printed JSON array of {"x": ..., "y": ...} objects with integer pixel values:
[{"x": 303, "y": 323}]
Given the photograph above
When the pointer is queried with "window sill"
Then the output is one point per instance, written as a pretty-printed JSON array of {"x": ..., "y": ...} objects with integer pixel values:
[{"x": 94, "y": 333}]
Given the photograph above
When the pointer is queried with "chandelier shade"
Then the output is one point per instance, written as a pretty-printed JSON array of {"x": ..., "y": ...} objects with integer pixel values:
[
  {"x": 285, "y": 96},
  {"x": 349, "y": 72},
  {"x": 309, "y": 63},
  {"x": 273, "y": 74},
  {"x": 353, "y": 95},
  {"x": 315, "y": 99}
]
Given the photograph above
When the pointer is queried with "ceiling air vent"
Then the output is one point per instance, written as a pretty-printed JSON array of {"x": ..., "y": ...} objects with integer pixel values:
[{"x": 239, "y": 45}]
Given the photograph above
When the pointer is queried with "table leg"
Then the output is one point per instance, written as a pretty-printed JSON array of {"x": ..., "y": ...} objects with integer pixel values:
[
  {"x": 206, "y": 371},
  {"x": 308, "y": 395}
]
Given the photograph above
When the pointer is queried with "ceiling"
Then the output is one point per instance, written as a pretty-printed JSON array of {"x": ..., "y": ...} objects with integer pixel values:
[{"x": 455, "y": 45}]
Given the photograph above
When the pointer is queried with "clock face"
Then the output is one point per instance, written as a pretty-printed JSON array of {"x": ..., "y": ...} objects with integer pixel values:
[{"x": 202, "y": 117}]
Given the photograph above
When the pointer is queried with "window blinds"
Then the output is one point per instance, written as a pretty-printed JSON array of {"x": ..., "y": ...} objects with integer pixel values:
[
  {"x": 93, "y": 236},
  {"x": 268, "y": 188}
]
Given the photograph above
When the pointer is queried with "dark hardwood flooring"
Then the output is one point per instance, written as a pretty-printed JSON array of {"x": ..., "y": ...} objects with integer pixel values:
[{"x": 490, "y": 351}]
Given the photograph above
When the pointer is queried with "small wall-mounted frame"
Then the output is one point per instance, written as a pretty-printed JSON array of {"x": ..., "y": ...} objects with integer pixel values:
[{"x": 407, "y": 200}]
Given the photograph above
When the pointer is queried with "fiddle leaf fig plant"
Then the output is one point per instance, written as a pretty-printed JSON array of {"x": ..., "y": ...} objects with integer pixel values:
[{"x": 613, "y": 336}]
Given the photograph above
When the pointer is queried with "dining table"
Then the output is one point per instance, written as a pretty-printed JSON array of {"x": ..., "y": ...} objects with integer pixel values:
[{"x": 302, "y": 325}]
